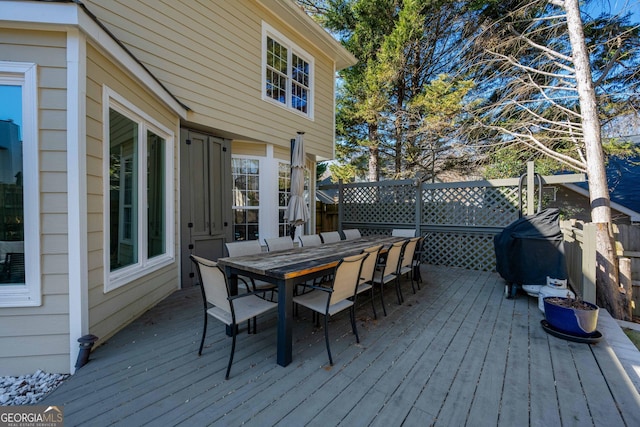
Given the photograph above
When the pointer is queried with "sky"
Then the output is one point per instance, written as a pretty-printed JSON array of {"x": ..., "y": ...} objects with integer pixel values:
[
  {"x": 615, "y": 7},
  {"x": 9, "y": 95}
]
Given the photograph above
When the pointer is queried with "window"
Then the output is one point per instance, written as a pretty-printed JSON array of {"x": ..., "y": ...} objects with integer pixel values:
[
  {"x": 246, "y": 198},
  {"x": 284, "y": 190},
  {"x": 19, "y": 191},
  {"x": 140, "y": 185},
  {"x": 288, "y": 73}
]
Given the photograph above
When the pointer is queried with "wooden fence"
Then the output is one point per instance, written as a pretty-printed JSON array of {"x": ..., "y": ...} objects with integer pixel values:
[
  {"x": 628, "y": 249},
  {"x": 580, "y": 254}
]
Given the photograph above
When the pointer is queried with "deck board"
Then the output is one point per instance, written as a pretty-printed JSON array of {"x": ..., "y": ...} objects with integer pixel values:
[{"x": 455, "y": 353}]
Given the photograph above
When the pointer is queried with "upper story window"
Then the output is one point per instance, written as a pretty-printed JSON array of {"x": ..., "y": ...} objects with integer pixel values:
[
  {"x": 19, "y": 190},
  {"x": 287, "y": 73},
  {"x": 139, "y": 159}
]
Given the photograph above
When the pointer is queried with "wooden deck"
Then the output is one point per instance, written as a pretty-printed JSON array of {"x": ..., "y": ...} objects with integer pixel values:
[{"x": 456, "y": 353}]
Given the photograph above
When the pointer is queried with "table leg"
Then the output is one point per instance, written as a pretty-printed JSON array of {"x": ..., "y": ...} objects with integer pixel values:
[{"x": 285, "y": 322}]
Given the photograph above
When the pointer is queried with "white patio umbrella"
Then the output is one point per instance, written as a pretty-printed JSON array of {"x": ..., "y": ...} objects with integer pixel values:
[{"x": 297, "y": 209}]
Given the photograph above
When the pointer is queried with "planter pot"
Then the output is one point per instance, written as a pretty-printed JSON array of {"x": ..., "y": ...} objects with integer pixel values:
[{"x": 581, "y": 322}]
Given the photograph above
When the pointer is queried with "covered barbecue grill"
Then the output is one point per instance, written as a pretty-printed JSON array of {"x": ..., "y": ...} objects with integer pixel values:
[{"x": 530, "y": 249}]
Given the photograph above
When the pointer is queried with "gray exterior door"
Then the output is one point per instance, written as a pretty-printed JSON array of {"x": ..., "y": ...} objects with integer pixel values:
[{"x": 205, "y": 198}]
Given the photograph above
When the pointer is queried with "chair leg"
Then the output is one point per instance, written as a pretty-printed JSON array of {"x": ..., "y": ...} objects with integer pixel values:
[
  {"x": 233, "y": 349},
  {"x": 398, "y": 290},
  {"x": 326, "y": 337},
  {"x": 373, "y": 306},
  {"x": 416, "y": 273},
  {"x": 384, "y": 309},
  {"x": 352, "y": 315},
  {"x": 204, "y": 332},
  {"x": 411, "y": 277}
]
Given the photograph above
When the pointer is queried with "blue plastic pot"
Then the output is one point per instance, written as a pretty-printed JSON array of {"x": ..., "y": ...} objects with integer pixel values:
[{"x": 571, "y": 320}]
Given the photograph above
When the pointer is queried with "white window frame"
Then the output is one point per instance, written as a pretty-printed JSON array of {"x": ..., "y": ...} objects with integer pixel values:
[
  {"x": 292, "y": 48},
  {"x": 145, "y": 265},
  {"x": 288, "y": 195},
  {"x": 260, "y": 194},
  {"x": 24, "y": 74}
]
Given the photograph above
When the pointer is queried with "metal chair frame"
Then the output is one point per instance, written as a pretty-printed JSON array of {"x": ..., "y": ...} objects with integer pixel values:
[
  {"x": 229, "y": 309},
  {"x": 340, "y": 296}
]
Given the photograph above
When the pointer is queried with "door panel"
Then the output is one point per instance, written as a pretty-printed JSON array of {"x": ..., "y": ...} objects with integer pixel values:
[{"x": 205, "y": 178}]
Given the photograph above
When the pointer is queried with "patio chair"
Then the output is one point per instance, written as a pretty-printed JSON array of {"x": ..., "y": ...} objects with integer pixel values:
[
  {"x": 330, "y": 237},
  {"x": 250, "y": 247},
  {"x": 309, "y": 240},
  {"x": 406, "y": 264},
  {"x": 279, "y": 243},
  {"x": 403, "y": 232},
  {"x": 229, "y": 309},
  {"x": 390, "y": 271},
  {"x": 351, "y": 234},
  {"x": 341, "y": 295},
  {"x": 366, "y": 275}
]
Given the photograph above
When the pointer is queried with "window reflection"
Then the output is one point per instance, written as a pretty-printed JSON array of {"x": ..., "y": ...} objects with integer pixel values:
[{"x": 11, "y": 187}]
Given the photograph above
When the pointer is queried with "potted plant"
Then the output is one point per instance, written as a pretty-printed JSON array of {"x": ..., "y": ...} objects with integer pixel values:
[{"x": 571, "y": 316}]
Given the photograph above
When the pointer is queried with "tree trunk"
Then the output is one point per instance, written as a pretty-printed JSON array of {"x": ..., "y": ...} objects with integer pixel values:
[
  {"x": 607, "y": 287},
  {"x": 374, "y": 167}
]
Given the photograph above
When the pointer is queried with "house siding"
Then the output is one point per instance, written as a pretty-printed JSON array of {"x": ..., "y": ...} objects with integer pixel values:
[
  {"x": 111, "y": 311},
  {"x": 213, "y": 63},
  {"x": 38, "y": 337}
]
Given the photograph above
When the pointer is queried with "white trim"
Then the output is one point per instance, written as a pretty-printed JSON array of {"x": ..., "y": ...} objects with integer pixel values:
[
  {"x": 25, "y": 74},
  {"x": 144, "y": 266},
  {"x": 77, "y": 191},
  {"x": 333, "y": 115},
  {"x": 268, "y": 222},
  {"x": 292, "y": 48},
  {"x": 70, "y": 14}
]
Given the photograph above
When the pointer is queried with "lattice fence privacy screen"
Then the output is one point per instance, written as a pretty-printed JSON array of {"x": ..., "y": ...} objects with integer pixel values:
[{"x": 459, "y": 221}]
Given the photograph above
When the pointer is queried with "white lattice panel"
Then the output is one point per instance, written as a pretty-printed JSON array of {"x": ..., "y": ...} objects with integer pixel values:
[
  {"x": 465, "y": 250},
  {"x": 393, "y": 203},
  {"x": 469, "y": 206},
  {"x": 377, "y": 208}
]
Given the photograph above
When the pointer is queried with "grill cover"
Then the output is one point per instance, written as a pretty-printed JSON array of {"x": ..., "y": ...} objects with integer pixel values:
[{"x": 531, "y": 248}]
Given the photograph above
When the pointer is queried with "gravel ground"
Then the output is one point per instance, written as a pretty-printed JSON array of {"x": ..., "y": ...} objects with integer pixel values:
[{"x": 28, "y": 389}]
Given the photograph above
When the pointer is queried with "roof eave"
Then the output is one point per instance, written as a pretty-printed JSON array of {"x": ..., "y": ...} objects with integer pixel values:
[{"x": 292, "y": 15}]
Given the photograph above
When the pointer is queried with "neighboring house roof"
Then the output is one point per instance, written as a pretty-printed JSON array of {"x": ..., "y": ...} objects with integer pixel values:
[
  {"x": 327, "y": 196},
  {"x": 633, "y": 215},
  {"x": 623, "y": 176}
]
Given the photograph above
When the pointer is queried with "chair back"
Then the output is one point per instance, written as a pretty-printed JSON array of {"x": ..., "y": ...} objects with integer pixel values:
[
  {"x": 394, "y": 256},
  {"x": 279, "y": 243},
  {"x": 409, "y": 252},
  {"x": 330, "y": 237},
  {"x": 213, "y": 282},
  {"x": 347, "y": 277},
  {"x": 351, "y": 233},
  {"x": 310, "y": 240},
  {"x": 403, "y": 232},
  {"x": 369, "y": 264},
  {"x": 243, "y": 247}
]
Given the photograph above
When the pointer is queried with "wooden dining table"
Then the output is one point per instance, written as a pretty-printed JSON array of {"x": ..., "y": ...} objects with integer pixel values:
[{"x": 291, "y": 267}]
